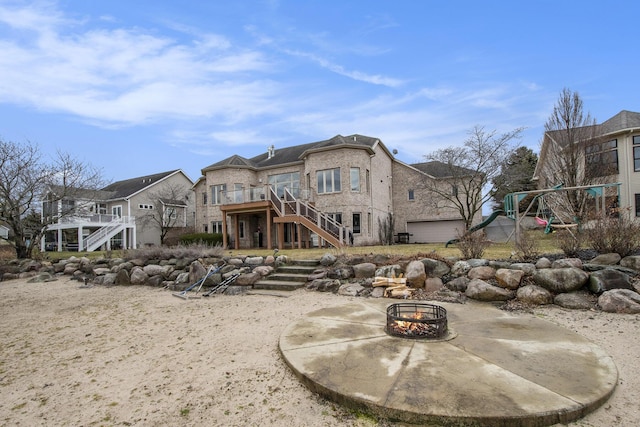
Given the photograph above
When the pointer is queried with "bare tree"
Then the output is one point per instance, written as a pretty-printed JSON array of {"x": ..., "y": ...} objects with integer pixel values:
[
  {"x": 570, "y": 134},
  {"x": 466, "y": 174},
  {"x": 171, "y": 202},
  {"x": 26, "y": 181}
]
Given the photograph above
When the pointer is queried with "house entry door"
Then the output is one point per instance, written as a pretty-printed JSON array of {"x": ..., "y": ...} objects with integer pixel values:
[{"x": 116, "y": 211}]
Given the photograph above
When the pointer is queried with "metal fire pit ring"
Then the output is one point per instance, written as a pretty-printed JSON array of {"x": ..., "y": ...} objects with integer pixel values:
[{"x": 416, "y": 321}]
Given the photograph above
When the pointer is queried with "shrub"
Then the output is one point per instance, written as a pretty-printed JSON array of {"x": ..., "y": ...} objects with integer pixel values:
[
  {"x": 180, "y": 252},
  {"x": 527, "y": 246},
  {"x": 472, "y": 245},
  {"x": 569, "y": 242},
  {"x": 614, "y": 234},
  {"x": 210, "y": 239}
]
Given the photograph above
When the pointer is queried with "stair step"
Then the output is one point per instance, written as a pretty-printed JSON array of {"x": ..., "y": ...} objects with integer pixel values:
[
  {"x": 288, "y": 277},
  {"x": 278, "y": 285},
  {"x": 306, "y": 262},
  {"x": 295, "y": 269}
]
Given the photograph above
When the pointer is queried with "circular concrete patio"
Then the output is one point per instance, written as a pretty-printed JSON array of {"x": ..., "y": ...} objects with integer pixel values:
[{"x": 499, "y": 369}]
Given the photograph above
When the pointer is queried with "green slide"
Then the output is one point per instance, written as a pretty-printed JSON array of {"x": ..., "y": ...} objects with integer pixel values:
[{"x": 483, "y": 224}]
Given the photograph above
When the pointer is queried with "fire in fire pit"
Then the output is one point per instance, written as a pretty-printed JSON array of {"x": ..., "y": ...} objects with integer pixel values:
[{"x": 416, "y": 320}]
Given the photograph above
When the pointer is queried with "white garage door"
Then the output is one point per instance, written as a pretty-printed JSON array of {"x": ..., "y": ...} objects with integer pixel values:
[{"x": 434, "y": 231}]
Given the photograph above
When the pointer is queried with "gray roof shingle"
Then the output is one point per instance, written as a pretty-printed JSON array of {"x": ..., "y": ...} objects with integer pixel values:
[
  {"x": 294, "y": 153},
  {"x": 131, "y": 186}
]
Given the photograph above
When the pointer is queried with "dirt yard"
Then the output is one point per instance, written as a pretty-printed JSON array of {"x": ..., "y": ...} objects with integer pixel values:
[{"x": 137, "y": 356}]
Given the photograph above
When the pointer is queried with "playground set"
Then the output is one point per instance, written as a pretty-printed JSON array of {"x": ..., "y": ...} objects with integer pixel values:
[{"x": 548, "y": 213}]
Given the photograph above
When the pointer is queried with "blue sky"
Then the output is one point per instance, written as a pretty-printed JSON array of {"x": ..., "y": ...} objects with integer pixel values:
[{"x": 139, "y": 87}]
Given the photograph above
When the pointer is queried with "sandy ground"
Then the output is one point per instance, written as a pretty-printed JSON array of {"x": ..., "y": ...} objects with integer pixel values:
[{"x": 98, "y": 356}]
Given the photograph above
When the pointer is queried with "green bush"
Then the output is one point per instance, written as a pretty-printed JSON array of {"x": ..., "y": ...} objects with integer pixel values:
[{"x": 209, "y": 239}]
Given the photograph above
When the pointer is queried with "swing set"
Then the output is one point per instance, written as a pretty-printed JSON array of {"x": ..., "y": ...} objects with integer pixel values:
[{"x": 549, "y": 213}]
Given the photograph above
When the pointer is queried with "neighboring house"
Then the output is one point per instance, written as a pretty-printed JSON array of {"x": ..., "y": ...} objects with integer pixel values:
[
  {"x": 126, "y": 214},
  {"x": 336, "y": 192},
  {"x": 4, "y": 232},
  {"x": 612, "y": 155}
]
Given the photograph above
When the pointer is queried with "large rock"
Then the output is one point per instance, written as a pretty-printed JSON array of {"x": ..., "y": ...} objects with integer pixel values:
[
  {"x": 393, "y": 270},
  {"x": 543, "y": 263},
  {"x": 196, "y": 271},
  {"x": 508, "y": 278},
  {"x": 459, "y": 284},
  {"x": 344, "y": 272},
  {"x": 535, "y": 295},
  {"x": 580, "y": 300},
  {"x": 606, "y": 259},
  {"x": 435, "y": 268},
  {"x": 122, "y": 277},
  {"x": 608, "y": 279},
  {"x": 460, "y": 268},
  {"x": 364, "y": 270},
  {"x": 157, "y": 270},
  {"x": 328, "y": 259},
  {"x": 247, "y": 279},
  {"x": 560, "y": 280},
  {"x": 483, "y": 291},
  {"x": 350, "y": 289},
  {"x": 620, "y": 301},
  {"x": 415, "y": 274},
  {"x": 433, "y": 284},
  {"x": 567, "y": 263},
  {"x": 482, "y": 272},
  {"x": 527, "y": 267},
  {"x": 138, "y": 276},
  {"x": 323, "y": 285},
  {"x": 632, "y": 262}
]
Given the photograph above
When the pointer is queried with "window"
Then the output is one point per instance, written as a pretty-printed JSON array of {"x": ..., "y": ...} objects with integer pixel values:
[
  {"x": 146, "y": 207},
  {"x": 454, "y": 190},
  {"x": 329, "y": 181},
  {"x": 602, "y": 158},
  {"x": 354, "y": 174},
  {"x": 217, "y": 191},
  {"x": 290, "y": 181},
  {"x": 204, "y": 198},
  {"x": 336, "y": 216},
  {"x": 237, "y": 193},
  {"x": 411, "y": 194},
  {"x": 367, "y": 182},
  {"x": 636, "y": 153},
  {"x": 356, "y": 223},
  {"x": 216, "y": 227},
  {"x": 171, "y": 213},
  {"x": 242, "y": 227}
]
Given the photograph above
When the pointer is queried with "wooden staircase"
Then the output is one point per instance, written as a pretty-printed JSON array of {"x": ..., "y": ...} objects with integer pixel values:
[
  {"x": 291, "y": 209},
  {"x": 288, "y": 277}
]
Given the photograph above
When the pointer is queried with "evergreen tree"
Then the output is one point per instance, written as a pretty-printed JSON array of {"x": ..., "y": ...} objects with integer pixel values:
[{"x": 515, "y": 175}]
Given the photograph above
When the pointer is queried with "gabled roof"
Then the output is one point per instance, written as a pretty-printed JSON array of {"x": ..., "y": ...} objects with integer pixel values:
[
  {"x": 440, "y": 170},
  {"x": 287, "y": 155},
  {"x": 129, "y": 187},
  {"x": 622, "y": 121}
]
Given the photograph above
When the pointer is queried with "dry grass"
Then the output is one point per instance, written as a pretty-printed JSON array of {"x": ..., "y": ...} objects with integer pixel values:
[{"x": 547, "y": 244}]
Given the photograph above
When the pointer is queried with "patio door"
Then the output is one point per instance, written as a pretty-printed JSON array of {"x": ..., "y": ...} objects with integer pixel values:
[{"x": 116, "y": 211}]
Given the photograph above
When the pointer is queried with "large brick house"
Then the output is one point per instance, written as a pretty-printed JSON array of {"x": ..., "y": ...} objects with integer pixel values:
[{"x": 338, "y": 191}]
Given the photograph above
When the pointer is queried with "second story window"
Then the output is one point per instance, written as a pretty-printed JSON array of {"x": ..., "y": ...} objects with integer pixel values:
[
  {"x": 329, "y": 181},
  {"x": 412, "y": 195},
  {"x": 217, "y": 192},
  {"x": 636, "y": 153},
  {"x": 354, "y": 174},
  {"x": 204, "y": 198},
  {"x": 602, "y": 158}
]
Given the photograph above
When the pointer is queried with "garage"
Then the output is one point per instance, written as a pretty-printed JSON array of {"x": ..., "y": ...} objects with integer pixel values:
[{"x": 434, "y": 231}]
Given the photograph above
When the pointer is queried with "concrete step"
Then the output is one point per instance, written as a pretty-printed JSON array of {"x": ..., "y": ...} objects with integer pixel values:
[
  {"x": 278, "y": 285},
  {"x": 288, "y": 277}
]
